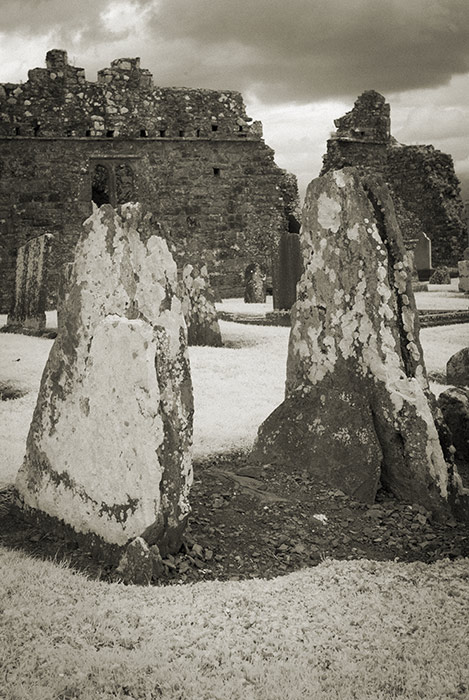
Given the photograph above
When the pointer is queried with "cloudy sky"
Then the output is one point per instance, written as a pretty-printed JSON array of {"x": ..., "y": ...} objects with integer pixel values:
[{"x": 298, "y": 63}]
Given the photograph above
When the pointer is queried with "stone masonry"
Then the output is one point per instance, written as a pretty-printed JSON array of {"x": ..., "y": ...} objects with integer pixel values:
[
  {"x": 357, "y": 409},
  {"x": 108, "y": 451},
  {"x": 425, "y": 188},
  {"x": 192, "y": 157}
]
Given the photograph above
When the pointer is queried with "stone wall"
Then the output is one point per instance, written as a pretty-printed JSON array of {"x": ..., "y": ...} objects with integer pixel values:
[
  {"x": 425, "y": 188},
  {"x": 190, "y": 156}
]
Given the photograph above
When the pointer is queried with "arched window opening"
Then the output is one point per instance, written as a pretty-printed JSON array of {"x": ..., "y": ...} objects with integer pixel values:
[{"x": 100, "y": 186}]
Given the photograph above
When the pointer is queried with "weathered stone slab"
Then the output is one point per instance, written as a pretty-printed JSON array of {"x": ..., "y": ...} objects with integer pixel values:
[
  {"x": 198, "y": 306},
  {"x": 108, "y": 452},
  {"x": 440, "y": 276},
  {"x": 454, "y": 405},
  {"x": 463, "y": 269},
  {"x": 254, "y": 284},
  {"x": 291, "y": 269},
  {"x": 31, "y": 284},
  {"x": 457, "y": 368},
  {"x": 357, "y": 406}
]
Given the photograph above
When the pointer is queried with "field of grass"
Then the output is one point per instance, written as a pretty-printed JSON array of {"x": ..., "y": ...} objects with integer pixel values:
[{"x": 348, "y": 629}]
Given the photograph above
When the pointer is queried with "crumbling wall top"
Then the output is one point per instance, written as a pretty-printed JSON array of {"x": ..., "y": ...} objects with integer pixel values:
[
  {"x": 58, "y": 101},
  {"x": 369, "y": 120}
]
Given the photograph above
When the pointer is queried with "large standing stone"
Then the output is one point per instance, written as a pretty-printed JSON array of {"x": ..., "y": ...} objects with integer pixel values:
[
  {"x": 356, "y": 410},
  {"x": 457, "y": 368},
  {"x": 108, "y": 452},
  {"x": 198, "y": 306}
]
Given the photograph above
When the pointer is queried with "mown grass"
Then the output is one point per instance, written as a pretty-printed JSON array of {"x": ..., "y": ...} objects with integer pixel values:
[{"x": 356, "y": 629}]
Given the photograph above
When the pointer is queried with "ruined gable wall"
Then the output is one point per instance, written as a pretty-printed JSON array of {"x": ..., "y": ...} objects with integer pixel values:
[
  {"x": 200, "y": 168},
  {"x": 423, "y": 181}
]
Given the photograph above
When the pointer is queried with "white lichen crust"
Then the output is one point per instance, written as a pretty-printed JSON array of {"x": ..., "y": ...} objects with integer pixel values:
[
  {"x": 355, "y": 333},
  {"x": 108, "y": 451},
  {"x": 198, "y": 306}
]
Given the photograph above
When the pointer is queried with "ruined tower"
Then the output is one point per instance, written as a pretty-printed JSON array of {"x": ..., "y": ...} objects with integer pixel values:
[{"x": 424, "y": 185}]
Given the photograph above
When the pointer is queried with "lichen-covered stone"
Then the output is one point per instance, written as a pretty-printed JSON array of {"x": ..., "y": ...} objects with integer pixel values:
[
  {"x": 254, "y": 284},
  {"x": 198, "y": 306},
  {"x": 440, "y": 276},
  {"x": 457, "y": 368},
  {"x": 454, "y": 405},
  {"x": 357, "y": 406},
  {"x": 108, "y": 452},
  {"x": 31, "y": 280}
]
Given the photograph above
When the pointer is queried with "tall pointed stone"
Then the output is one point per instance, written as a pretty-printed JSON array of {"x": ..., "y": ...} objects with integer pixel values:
[
  {"x": 108, "y": 452},
  {"x": 357, "y": 408}
]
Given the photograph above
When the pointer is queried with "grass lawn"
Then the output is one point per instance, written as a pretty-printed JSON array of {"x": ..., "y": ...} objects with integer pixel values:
[{"x": 343, "y": 629}]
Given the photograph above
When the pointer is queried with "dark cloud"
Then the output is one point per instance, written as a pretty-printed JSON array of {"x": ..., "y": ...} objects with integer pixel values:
[
  {"x": 308, "y": 49},
  {"x": 279, "y": 50}
]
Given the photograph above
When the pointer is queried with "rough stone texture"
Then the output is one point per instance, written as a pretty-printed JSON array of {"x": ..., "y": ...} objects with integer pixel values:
[
  {"x": 454, "y": 405},
  {"x": 32, "y": 263},
  {"x": 463, "y": 269},
  {"x": 440, "y": 276},
  {"x": 425, "y": 188},
  {"x": 198, "y": 306},
  {"x": 254, "y": 284},
  {"x": 357, "y": 405},
  {"x": 457, "y": 368},
  {"x": 191, "y": 156},
  {"x": 140, "y": 564},
  {"x": 108, "y": 451}
]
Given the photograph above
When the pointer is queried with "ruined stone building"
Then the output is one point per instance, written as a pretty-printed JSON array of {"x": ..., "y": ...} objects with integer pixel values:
[
  {"x": 192, "y": 157},
  {"x": 426, "y": 190}
]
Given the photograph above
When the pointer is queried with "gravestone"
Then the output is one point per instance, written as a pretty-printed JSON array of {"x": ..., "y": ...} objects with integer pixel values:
[
  {"x": 108, "y": 451},
  {"x": 357, "y": 409},
  {"x": 423, "y": 252},
  {"x": 32, "y": 262},
  {"x": 198, "y": 306},
  {"x": 254, "y": 284},
  {"x": 463, "y": 269},
  {"x": 290, "y": 269}
]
